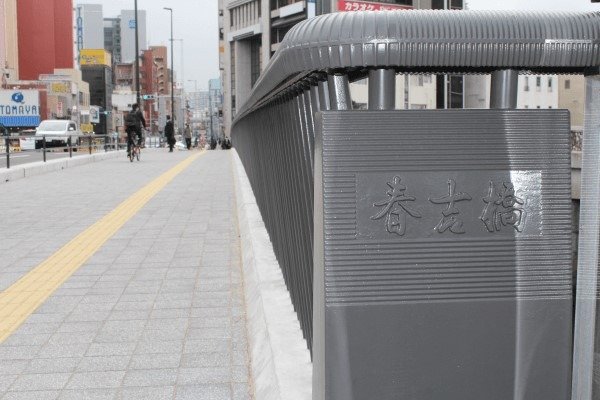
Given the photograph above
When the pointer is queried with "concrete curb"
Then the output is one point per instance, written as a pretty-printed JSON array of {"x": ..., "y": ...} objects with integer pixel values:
[
  {"x": 280, "y": 361},
  {"x": 37, "y": 168}
]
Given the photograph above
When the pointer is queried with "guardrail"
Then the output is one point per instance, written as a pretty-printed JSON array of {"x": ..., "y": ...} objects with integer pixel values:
[
  {"x": 84, "y": 143},
  {"x": 401, "y": 289}
]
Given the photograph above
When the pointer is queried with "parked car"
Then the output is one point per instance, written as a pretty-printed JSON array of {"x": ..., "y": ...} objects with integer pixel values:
[{"x": 57, "y": 132}]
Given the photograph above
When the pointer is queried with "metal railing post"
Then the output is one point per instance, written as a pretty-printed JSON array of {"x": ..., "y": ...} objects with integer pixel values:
[
  {"x": 44, "y": 147},
  {"x": 70, "y": 144},
  {"x": 339, "y": 92},
  {"x": 585, "y": 386},
  {"x": 105, "y": 145},
  {"x": 7, "y": 141},
  {"x": 90, "y": 144},
  {"x": 323, "y": 98},
  {"x": 382, "y": 89},
  {"x": 504, "y": 89}
]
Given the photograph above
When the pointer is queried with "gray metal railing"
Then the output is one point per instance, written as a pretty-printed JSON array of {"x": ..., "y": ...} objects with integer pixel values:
[{"x": 319, "y": 170}]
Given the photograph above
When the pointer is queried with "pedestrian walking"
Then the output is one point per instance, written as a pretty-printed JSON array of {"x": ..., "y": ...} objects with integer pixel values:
[
  {"x": 187, "y": 134},
  {"x": 170, "y": 133}
]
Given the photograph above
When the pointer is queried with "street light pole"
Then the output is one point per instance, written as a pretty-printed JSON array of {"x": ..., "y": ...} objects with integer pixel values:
[
  {"x": 172, "y": 71},
  {"x": 137, "y": 56}
]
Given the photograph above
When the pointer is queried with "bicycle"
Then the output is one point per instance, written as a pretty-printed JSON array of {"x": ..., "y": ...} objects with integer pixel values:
[
  {"x": 135, "y": 146},
  {"x": 135, "y": 152}
]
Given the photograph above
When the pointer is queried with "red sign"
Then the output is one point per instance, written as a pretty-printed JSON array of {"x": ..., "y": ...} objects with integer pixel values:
[{"x": 348, "y": 5}]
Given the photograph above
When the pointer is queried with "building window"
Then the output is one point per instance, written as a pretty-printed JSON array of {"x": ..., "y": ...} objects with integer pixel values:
[
  {"x": 567, "y": 84},
  {"x": 527, "y": 84},
  {"x": 526, "y": 106},
  {"x": 244, "y": 15},
  {"x": 538, "y": 84},
  {"x": 549, "y": 84},
  {"x": 418, "y": 106}
]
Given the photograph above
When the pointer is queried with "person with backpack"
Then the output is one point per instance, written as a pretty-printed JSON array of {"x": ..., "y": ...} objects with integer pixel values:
[{"x": 134, "y": 120}]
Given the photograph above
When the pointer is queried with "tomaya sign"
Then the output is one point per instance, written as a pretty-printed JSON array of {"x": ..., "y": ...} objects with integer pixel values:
[
  {"x": 346, "y": 5},
  {"x": 20, "y": 108}
]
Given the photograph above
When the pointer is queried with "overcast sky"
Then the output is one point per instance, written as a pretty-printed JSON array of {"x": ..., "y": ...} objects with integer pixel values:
[
  {"x": 195, "y": 21},
  {"x": 565, "y": 5}
]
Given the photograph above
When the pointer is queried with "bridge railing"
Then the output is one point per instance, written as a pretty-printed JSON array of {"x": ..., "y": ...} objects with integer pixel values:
[{"x": 401, "y": 286}]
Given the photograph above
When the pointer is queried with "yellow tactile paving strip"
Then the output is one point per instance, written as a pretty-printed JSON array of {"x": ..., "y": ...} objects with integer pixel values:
[{"x": 21, "y": 299}]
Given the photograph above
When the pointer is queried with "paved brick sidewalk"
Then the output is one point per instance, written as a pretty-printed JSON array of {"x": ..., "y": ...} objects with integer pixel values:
[{"x": 156, "y": 313}]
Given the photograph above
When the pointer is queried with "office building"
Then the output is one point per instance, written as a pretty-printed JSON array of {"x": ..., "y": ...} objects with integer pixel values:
[
  {"x": 45, "y": 34},
  {"x": 112, "y": 38},
  {"x": 99, "y": 78},
  {"x": 154, "y": 82},
  {"x": 68, "y": 96},
  {"x": 127, "y": 28},
  {"x": 89, "y": 28}
]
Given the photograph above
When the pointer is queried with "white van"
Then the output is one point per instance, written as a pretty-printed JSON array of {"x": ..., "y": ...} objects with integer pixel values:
[{"x": 57, "y": 132}]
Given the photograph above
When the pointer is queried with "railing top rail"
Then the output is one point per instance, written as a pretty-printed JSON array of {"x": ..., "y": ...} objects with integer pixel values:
[{"x": 434, "y": 41}]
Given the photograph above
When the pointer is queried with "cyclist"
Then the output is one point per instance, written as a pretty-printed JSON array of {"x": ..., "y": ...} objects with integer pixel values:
[{"x": 133, "y": 125}]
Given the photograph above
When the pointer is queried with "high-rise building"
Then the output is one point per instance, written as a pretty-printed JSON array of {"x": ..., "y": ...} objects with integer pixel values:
[
  {"x": 9, "y": 56},
  {"x": 45, "y": 34},
  {"x": 89, "y": 27},
  {"x": 215, "y": 109},
  {"x": 112, "y": 38},
  {"x": 244, "y": 32},
  {"x": 99, "y": 78},
  {"x": 154, "y": 81},
  {"x": 127, "y": 27}
]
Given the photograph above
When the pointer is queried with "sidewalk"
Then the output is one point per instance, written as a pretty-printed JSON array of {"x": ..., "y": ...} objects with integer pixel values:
[{"x": 157, "y": 311}]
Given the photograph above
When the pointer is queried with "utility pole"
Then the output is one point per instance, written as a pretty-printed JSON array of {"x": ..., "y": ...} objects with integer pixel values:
[
  {"x": 172, "y": 70},
  {"x": 137, "y": 57}
]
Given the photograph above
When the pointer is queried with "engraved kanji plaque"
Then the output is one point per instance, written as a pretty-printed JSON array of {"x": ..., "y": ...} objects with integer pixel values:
[{"x": 443, "y": 255}]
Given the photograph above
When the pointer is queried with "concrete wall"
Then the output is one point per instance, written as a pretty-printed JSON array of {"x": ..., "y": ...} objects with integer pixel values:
[
  {"x": 538, "y": 96},
  {"x": 242, "y": 72},
  {"x": 45, "y": 34},
  {"x": 572, "y": 98}
]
